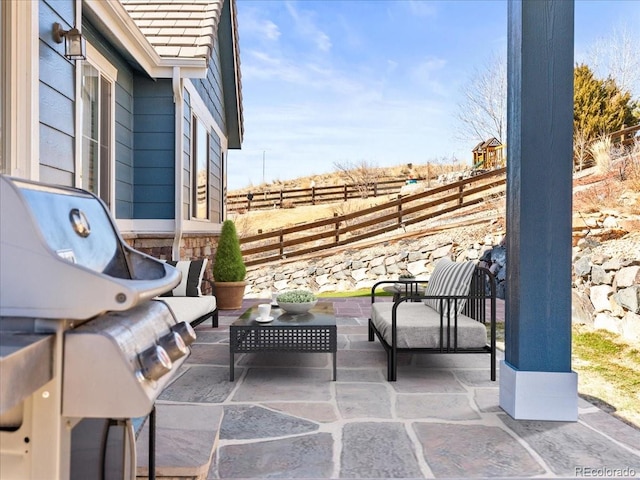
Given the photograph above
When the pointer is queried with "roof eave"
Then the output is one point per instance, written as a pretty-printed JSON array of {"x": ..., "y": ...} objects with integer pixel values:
[
  {"x": 232, "y": 82},
  {"x": 128, "y": 38}
]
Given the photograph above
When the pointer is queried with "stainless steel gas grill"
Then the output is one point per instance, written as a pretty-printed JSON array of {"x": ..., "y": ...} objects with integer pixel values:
[{"x": 84, "y": 348}]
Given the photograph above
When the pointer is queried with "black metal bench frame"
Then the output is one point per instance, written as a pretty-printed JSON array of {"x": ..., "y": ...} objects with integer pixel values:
[{"x": 483, "y": 288}]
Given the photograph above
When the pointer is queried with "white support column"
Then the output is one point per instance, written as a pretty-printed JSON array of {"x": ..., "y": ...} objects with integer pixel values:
[{"x": 178, "y": 100}]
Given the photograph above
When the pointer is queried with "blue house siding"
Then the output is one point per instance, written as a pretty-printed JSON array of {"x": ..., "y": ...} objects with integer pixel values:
[
  {"x": 124, "y": 144},
  {"x": 57, "y": 97},
  {"x": 123, "y": 114},
  {"x": 210, "y": 89},
  {"x": 154, "y": 147}
]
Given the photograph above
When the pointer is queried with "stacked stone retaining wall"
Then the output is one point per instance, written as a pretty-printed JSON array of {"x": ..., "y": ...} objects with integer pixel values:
[
  {"x": 606, "y": 288},
  {"x": 605, "y": 294}
]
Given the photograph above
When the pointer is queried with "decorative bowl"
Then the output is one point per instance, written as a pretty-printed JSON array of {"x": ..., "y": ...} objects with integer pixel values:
[{"x": 303, "y": 307}]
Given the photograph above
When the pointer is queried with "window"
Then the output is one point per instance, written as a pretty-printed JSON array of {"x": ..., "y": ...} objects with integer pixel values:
[
  {"x": 96, "y": 132},
  {"x": 97, "y": 91},
  {"x": 200, "y": 171},
  {"x": 204, "y": 146}
]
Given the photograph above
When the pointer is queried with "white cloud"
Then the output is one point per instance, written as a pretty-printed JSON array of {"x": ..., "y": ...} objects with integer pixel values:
[
  {"x": 305, "y": 25},
  {"x": 308, "y": 75},
  {"x": 428, "y": 74},
  {"x": 271, "y": 30},
  {"x": 422, "y": 8},
  {"x": 251, "y": 24}
]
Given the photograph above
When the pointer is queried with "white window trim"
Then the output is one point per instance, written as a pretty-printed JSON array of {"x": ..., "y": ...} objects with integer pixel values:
[
  {"x": 110, "y": 72},
  {"x": 200, "y": 110},
  {"x": 21, "y": 122},
  {"x": 145, "y": 226}
]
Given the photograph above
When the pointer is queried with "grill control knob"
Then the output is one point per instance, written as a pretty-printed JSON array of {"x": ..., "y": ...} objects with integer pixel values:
[
  {"x": 155, "y": 362},
  {"x": 174, "y": 345},
  {"x": 186, "y": 331}
]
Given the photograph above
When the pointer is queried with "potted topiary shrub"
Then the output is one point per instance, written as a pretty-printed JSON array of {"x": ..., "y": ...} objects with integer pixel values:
[{"x": 229, "y": 269}]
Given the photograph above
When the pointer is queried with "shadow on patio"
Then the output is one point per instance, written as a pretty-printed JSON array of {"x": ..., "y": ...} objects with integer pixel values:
[{"x": 283, "y": 417}]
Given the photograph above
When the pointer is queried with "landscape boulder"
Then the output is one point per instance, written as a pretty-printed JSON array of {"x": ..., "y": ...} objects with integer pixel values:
[{"x": 628, "y": 276}]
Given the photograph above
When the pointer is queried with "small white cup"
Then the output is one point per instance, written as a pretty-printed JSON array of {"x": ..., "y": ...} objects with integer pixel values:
[{"x": 264, "y": 309}]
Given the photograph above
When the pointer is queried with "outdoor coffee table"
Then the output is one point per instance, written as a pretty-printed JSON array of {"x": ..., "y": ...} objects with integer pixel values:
[{"x": 311, "y": 332}]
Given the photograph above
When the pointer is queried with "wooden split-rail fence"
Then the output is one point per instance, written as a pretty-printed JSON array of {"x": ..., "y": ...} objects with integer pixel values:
[
  {"x": 364, "y": 224},
  {"x": 310, "y": 196}
]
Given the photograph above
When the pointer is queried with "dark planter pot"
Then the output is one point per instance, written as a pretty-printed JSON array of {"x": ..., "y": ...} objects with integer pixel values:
[{"x": 229, "y": 295}]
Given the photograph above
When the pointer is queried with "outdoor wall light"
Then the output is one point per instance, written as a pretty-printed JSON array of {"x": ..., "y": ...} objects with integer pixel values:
[{"x": 74, "y": 42}]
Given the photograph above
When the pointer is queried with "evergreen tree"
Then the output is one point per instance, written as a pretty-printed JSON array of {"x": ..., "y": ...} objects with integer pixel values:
[{"x": 600, "y": 107}]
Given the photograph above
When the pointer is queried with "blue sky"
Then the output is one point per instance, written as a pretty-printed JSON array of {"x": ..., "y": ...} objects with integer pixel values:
[{"x": 328, "y": 82}]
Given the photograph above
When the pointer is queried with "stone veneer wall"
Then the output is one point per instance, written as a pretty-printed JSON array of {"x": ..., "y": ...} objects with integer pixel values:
[{"x": 192, "y": 246}]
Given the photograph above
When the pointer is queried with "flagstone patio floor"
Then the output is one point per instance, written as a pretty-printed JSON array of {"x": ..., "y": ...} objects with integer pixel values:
[{"x": 283, "y": 417}]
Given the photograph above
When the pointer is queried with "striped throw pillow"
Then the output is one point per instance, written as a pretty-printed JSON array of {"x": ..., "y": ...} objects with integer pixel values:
[
  {"x": 449, "y": 278},
  {"x": 192, "y": 274}
]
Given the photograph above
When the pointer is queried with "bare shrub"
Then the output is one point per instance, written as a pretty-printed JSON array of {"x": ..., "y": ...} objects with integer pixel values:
[
  {"x": 600, "y": 150},
  {"x": 362, "y": 175},
  {"x": 629, "y": 165},
  {"x": 244, "y": 225},
  {"x": 287, "y": 204},
  {"x": 605, "y": 194},
  {"x": 581, "y": 155},
  {"x": 344, "y": 208}
]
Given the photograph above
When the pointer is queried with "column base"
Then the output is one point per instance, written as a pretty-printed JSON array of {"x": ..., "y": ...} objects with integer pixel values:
[{"x": 527, "y": 395}]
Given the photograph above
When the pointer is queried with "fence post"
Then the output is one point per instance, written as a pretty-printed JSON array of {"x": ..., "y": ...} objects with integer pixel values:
[
  {"x": 400, "y": 213},
  {"x": 313, "y": 195},
  {"x": 460, "y": 194},
  {"x": 281, "y": 198},
  {"x": 281, "y": 244},
  {"x": 375, "y": 189},
  {"x": 345, "y": 193},
  {"x": 337, "y": 236}
]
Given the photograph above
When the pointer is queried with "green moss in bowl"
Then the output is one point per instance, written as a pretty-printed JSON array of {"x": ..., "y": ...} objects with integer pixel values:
[{"x": 296, "y": 301}]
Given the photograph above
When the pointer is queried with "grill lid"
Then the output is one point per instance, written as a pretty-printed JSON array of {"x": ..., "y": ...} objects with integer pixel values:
[{"x": 63, "y": 257}]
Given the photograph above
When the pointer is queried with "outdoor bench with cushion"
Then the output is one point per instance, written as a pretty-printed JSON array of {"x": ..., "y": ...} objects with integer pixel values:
[
  {"x": 451, "y": 316},
  {"x": 186, "y": 300}
]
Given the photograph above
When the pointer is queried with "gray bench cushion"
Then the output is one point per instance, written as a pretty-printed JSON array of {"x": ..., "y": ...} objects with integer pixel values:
[
  {"x": 188, "y": 309},
  {"x": 418, "y": 326}
]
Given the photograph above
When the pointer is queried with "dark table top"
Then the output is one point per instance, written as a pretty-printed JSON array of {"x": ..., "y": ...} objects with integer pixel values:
[{"x": 321, "y": 315}]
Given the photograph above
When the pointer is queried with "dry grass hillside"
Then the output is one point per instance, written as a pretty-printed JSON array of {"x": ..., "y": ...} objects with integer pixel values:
[
  {"x": 613, "y": 184},
  {"x": 355, "y": 173}
]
